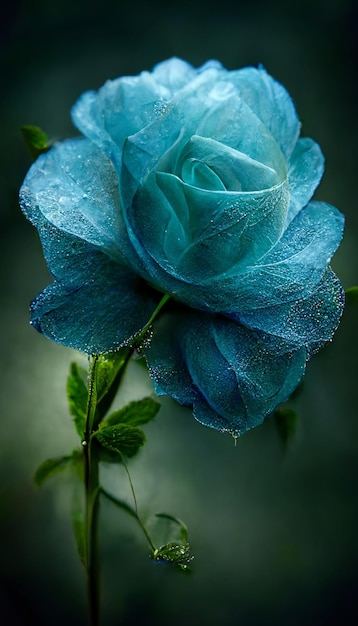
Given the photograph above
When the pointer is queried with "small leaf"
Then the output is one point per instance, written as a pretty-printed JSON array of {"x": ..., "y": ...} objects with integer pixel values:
[
  {"x": 49, "y": 468},
  {"x": 78, "y": 524},
  {"x": 174, "y": 554},
  {"x": 77, "y": 397},
  {"x": 180, "y": 529},
  {"x": 286, "y": 422},
  {"x": 135, "y": 413},
  {"x": 35, "y": 139},
  {"x": 77, "y": 464},
  {"x": 110, "y": 369},
  {"x": 121, "y": 438},
  {"x": 352, "y": 295}
]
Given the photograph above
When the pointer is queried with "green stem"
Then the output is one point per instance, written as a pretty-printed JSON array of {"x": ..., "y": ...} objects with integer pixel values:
[
  {"x": 92, "y": 489},
  {"x": 142, "y": 333},
  {"x": 128, "y": 509},
  {"x": 94, "y": 414}
]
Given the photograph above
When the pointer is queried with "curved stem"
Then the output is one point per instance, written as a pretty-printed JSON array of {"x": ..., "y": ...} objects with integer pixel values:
[
  {"x": 142, "y": 332},
  {"x": 128, "y": 509}
]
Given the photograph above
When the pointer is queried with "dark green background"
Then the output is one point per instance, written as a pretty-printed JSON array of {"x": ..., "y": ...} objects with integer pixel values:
[{"x": 274, "y": 534}]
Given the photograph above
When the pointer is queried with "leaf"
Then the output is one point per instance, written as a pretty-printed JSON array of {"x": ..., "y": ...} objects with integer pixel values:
[
  {"x": 78, "y": 524},
  {"x": 77, "y": 464},
  {"x": 286, "y": 422},
  {"x": 35, "y": 139},
  {"x": 77, "y": 397},
  {"x": 182, "y": 531},
  {"x": 49, "y": 468},
  {"x": 135, "y": 413},
  {"x": 110, "y": 369},
  {"x": 174, "y": 554},
  {"x": 73, "y": 461},
  {"x": 121, "y": 438},
  {"x": 352, "y": 295}
]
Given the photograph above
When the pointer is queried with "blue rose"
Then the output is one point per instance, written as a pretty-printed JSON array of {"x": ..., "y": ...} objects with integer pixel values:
[{"x": 194, "y": 183}]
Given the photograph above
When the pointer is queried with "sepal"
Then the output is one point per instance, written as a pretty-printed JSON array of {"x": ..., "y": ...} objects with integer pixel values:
[
  {"x": 352, "y": 295},
  {"x": 286, "y": 420},
  {"x": 35, "y": 139}
]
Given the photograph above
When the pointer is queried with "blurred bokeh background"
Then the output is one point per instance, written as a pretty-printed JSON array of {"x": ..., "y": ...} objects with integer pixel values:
[{"x": 274, "y": 532}]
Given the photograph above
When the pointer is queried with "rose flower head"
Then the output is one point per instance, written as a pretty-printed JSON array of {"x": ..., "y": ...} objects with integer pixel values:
[{"x": 193, "y": 183}]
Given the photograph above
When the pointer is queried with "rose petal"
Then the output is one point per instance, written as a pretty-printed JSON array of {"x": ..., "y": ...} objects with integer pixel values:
[
  {"x": 270, "y": 101},
  {"x": 96, "y": 305},
  {"x": 291, "y": 270},
  {"x": 305, "y": 170},
  {"x": 309, "y": 322},
  {"x": 193, "y": 235},
  {"x": 233, "y": 377},
  {"x": 74, "y": 187}
]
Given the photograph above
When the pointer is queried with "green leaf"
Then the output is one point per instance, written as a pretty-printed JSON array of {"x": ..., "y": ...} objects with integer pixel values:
[
  {"x": 77, "y": 397},
  {"x": 35, "y": 139},
  {"x": 78, "y": 465},
  {"x": 175, "y": 526},
  {"x": 352, "y": 295},
  {"x": 78, "y": 524},
  {"x": 49, "y": 468},
  {"x": 73, "y": 461},
  {"x": 121, "y": 438},
  {"x": 286, "y": 422},
  {"x": 174, "y": 554},
  {"x": 110, "y": 369},
  {"x": 135, "y": 413}
]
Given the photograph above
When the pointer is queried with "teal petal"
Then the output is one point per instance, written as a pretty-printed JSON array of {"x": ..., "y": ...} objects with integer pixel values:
[
  {"x": 196, "y": 235},
  {"x": 309, "y": 322},
  {"x": 119, "y": 109},
  {"x": 272, "y": 104},
  {"x": 74, "y": 187},
  {"x": 305, "y": 170},
  {"x": 291, "y": 270},
  {"x": 173, "y": 74},
  {"x": 93, "y": 316},
  {"x": 234, "y": 377}
]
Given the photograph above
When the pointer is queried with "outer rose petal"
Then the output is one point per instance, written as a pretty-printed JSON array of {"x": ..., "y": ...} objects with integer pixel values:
[
  {"x": 96, "y": 305},
  {"x": 74, "y": 187},
  {"x": 309, "y": 322},
  {"x": 305, "y": 170},
  {"x": 233, "y": 377}
]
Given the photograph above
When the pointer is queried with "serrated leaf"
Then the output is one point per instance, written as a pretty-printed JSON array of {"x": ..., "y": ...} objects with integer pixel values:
[
  {"x": 286, "y": 422},
  {"x": 135, "y": 413},
  {"x": 78, "y": 524},
  {"x": 121, "y": 438},
  {"x": 77, "y": 395},
  {"x": 35, "y": 139},
  {"x": 352, "y": 295},
  {"x": 174, "y": 554},
  {"x": 49, "y": 468}
]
